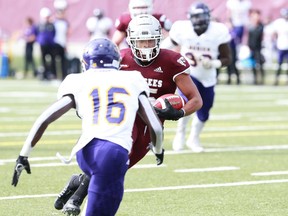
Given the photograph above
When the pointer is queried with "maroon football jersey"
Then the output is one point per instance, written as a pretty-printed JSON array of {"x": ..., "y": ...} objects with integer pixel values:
[
  {"x": 122, "y": 22},
  {"x": 160, "y": 73}
]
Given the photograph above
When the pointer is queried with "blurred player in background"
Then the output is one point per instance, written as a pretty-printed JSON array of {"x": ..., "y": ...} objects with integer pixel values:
[
  {"x": 164, "y": 70},
  {"x": 62, "y": 32},
  {"x": 45, "y": 33},
  {"x": 107, "y": 100},
  {"x": 98, "y": 25},
  {"x": 280, "y": 29},
  {"x": 238, "y": 14},
  {"x": 137, "y": 7},
  {"x": 29, "y": 35},
  {"x": 205, "y": 44},
  {"x": 255, "y": 38}
]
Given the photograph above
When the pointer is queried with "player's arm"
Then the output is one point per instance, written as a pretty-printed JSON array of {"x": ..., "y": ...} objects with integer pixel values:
[
  {"x": 149, "y": 116},
  {"x": 224, "y": 58},
  {"x": 118, "y": 37},
  {"x": 169, "y": 43},
  {"x": 225, "y": 54},
  {"x": 189, "y": 89},
  {"x": 51, "y": 114}
]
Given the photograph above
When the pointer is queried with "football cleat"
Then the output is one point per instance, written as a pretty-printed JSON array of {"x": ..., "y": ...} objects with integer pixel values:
[
  {"x": 68, "y": 191},
  {"x": 72, "y": 207},
  {"x": 194, "y": 145},
  {"x": 178, "y": 142}
]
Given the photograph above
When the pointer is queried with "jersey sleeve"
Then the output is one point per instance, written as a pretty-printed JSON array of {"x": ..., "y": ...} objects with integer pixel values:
[
  {"x": 175, "y": 32},
  {"x": 121, "y": 24},
  {"x": 224, "y": 35},
  {"x": 69, "y": 85},
  {"x": 142, "y": 84}
]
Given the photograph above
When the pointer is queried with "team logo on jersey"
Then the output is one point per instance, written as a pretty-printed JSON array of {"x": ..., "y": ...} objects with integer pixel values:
[
  {"x": 182, "y": 61},
  {"x": 159, "y": 70},
  {"x": 123, "y": 66}
]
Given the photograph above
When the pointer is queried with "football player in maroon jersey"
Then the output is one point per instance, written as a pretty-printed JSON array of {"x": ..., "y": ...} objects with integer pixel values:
[
  {"x": 164, "y": 71},
  {"x": 137, "y": 7}
]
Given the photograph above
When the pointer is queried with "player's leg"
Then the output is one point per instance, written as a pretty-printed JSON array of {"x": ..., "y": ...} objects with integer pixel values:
[
  {"x": 139, "y": 150},
  {"x": 193, "y": 141},
  {"x": 75, "y": 201},
  {"x": 202, "y": 115},
  {"x": 280, "y": 61},
  {"x": 179, "y": 139},
  {"x": 68, "y": 190},
  {"x": 141, "y": 139},
  {"x": 108, "y": 163}
]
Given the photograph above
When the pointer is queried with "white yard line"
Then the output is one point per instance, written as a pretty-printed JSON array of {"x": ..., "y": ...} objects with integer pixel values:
[
  {"x": 197, "y": 186},
  {"x": 207, "y": 150},
  {"x": 272, "y": 173},
  {"x": 209, "y": 169}
]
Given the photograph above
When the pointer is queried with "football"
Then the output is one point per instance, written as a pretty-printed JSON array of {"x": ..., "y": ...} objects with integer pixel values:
[{"x": 175, "y": 100}]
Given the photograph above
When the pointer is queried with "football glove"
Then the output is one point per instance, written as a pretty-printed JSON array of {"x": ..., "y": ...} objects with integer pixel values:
[
  {"x": 21, "y": 163},
  {"x": 169, "y": 113},
  {"x": 159, "y": 157},
  {"x": 208, "y": 63}
]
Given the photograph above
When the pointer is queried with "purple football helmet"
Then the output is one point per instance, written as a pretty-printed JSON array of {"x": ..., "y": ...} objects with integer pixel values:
[
  {"x": 199, "y": 14},
  {"x": 100, "y": 53}
]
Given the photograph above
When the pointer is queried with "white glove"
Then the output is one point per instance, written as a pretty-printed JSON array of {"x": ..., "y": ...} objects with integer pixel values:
[{"x": 208, "y": 63}]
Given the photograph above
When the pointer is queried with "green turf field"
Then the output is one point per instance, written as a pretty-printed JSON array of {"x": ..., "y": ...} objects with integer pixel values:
[{"x": 244, "y": 170}]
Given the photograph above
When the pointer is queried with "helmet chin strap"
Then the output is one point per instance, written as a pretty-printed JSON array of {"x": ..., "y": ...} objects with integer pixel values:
[{"x": 146, "y": 53}]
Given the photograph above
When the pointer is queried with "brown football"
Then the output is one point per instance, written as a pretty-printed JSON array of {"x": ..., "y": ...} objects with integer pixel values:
[{"x": 175, "y": 100}]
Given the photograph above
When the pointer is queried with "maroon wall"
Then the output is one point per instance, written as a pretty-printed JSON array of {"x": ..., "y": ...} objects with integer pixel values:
[{"x": 13, "y": 12}]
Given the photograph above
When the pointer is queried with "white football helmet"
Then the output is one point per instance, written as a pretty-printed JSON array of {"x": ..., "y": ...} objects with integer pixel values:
[
  {"x": 145, "y": 29},
  {"x": 137, "y": 7}
]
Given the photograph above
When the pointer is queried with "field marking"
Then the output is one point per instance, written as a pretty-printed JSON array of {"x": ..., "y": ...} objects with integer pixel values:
[
  {"x": 216, "y": 185},
  {"x": 210, "y": 169},
  {"x": 170, "y": 152},
  {"x": 272, "y": 173}
]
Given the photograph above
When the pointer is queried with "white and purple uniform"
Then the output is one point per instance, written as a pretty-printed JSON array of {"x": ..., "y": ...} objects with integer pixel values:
[
  {"x": 193, "y": 48},
  {"x": 108, "y": 111}
]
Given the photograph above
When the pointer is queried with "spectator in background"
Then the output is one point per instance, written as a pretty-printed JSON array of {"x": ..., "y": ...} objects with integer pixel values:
[
  {"x": 232, "y": 68},
  {"x": 280, "y": 28},
  {"x": 98, "y": 25},
  {"x": 45, "y": 38},
  {"x": 61, "y": 25},
  {"x": 30, "y": 38},
  {"x": 137, "y": 7},
  {"x": 238, "y": 13},
  {"x": 255, "y": 37}
]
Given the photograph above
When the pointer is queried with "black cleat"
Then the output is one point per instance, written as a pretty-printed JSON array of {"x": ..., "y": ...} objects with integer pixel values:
[
  {"x": 68, "y": 191},
  {"x": 72, "y": 207}
]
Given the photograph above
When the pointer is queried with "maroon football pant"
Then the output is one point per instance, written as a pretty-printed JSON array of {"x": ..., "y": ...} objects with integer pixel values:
[{"x": 141, "y": 140}]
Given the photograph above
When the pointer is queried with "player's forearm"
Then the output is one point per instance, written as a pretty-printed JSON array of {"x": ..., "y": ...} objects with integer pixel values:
[{"x": 153, "y": 122}]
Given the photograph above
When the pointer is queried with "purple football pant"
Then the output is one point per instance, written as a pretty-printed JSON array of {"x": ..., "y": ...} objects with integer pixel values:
[
  {"x": 207, "y": 94},
  {"x": 106, "y": 163}
]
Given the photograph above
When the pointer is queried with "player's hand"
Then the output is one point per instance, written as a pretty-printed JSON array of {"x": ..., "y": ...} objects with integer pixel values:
[
  {"x": 206, "y": 62},
  {"x": 160, "y": 157},
  {"x": 169, "y": 113},
  {"x": 21, "y": 163}
]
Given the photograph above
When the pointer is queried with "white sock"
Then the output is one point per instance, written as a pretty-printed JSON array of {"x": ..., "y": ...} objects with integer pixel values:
[
  {"x": 196, "y": 128},
  {"x": 179, "y": 139}
]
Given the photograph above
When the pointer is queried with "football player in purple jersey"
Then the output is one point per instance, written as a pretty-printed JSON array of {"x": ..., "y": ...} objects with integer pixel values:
[
  {"x": 137, "y": 7},
  {"x": 164, "y": 71}
]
